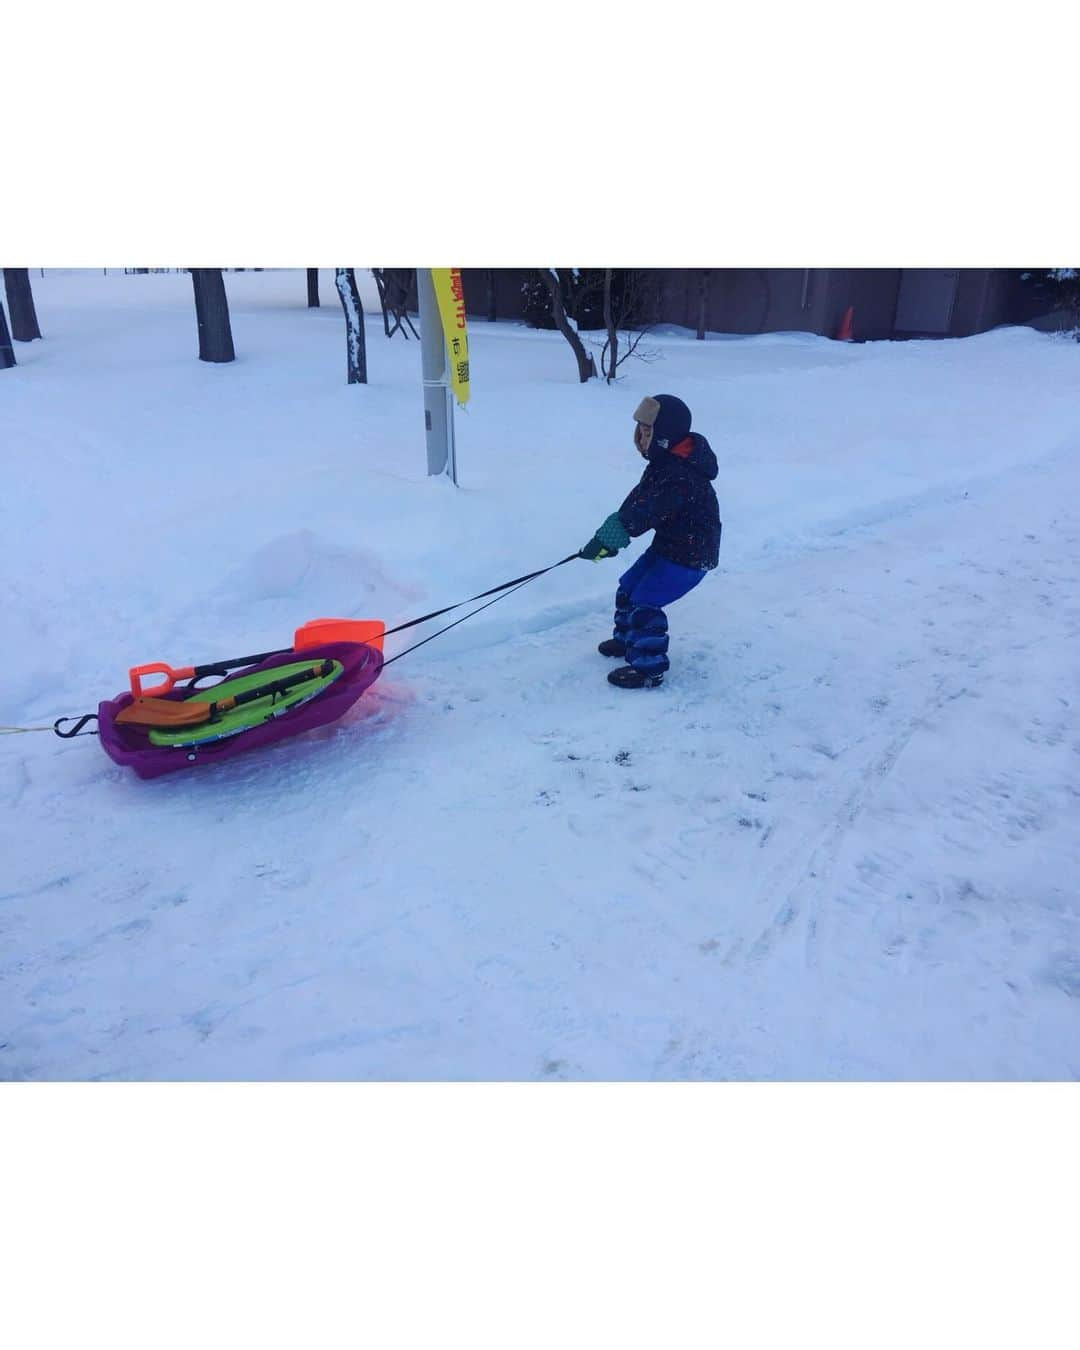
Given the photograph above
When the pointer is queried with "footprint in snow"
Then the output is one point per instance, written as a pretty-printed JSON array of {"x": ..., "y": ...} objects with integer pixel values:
[{"x": 1063, "y": 972}]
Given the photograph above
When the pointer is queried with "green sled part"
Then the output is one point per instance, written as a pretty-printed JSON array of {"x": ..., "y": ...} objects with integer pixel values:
[{"x": 251, "y": 714}]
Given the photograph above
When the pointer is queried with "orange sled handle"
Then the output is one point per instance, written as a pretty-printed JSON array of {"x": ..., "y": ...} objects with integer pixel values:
[
  {"x": 311, "y": 634},
  {"x": 317, "y": 631},
  {"x": 137, "y": 673}
]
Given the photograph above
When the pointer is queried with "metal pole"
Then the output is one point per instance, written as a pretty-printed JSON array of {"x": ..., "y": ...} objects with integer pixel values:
[
  {"x": 438, "y": 401},
  {"x": 451, "y": 466}
]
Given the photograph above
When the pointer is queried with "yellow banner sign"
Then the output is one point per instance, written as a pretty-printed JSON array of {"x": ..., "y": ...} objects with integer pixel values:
[{"x": 451, "y": 299}]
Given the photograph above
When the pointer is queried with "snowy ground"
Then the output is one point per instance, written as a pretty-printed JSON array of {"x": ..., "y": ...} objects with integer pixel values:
[{"x": 842, "y": 842}]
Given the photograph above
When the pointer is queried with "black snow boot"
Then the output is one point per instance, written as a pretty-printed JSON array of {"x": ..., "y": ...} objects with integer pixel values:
[
  {"x": 626, "y": 677},
  {"x": 612, "y": 647}
]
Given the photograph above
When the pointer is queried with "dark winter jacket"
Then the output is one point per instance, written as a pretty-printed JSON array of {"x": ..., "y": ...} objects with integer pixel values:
[{"x": 675, "y": 498}]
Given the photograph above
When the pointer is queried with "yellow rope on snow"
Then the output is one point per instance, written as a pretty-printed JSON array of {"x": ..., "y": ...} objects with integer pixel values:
[{"x": 11, "y": 731}]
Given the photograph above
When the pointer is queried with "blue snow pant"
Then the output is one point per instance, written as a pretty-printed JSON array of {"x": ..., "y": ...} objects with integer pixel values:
[{"x": 640, "y": 621}]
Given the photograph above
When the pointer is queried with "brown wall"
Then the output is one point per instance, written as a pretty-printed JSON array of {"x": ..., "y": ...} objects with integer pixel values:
[
  {"x": 765, "y": 300},
  {"x": 740, "y": 300},
  {"x": 871, "y": 291},
  {"x": 778, "y": 299},
  {"x": 972, "y": 302},
  {"x": 508, "y": 281},
  {"x": 998, "y": 307}
]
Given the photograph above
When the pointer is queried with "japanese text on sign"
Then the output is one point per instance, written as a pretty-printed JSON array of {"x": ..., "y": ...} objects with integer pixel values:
[{"x": 450, "y": 295}]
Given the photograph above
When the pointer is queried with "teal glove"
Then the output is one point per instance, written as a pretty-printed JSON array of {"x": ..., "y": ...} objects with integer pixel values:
[
  {"x": 608, "y": 539},
  {"x": 612, "y": 534},
  {"x": 594, "y": 550}
]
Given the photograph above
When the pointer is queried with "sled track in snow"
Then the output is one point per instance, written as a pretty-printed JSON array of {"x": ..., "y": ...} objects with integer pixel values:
[{"x": 813, "y": 867}]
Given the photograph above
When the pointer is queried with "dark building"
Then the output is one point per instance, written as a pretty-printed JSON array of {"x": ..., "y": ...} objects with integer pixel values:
[{"x": 885, "y": 302}]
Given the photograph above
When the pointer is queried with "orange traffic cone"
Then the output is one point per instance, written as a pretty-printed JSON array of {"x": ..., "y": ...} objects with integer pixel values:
[{"x": 846, "y": 331}]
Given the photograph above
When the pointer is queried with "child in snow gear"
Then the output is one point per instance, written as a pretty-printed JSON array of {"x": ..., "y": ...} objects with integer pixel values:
[{"x": 674, "y": 498}]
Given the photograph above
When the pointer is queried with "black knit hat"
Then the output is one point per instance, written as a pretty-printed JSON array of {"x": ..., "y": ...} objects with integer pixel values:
[{"x": 672, "y": 422}]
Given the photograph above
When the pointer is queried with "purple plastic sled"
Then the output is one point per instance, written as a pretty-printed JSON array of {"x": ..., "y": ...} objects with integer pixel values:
[{"x": 131, "y": 745}]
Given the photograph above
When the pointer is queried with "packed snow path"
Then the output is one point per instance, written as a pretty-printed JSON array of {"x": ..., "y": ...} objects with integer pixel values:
[{"x": 841, "y": 842}]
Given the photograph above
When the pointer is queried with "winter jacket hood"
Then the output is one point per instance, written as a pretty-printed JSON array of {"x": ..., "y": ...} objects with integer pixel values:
[
  {"x": 696, "y": 453},
  {"x": 676, "y": 499}
]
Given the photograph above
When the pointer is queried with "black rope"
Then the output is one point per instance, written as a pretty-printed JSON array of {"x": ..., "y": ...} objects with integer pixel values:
[
  {"x": 499, "y": 592},
  {"x": 223, "y": 667},
  {"x": 507, "y": 589},
  {"x": 506, "y": 586}
]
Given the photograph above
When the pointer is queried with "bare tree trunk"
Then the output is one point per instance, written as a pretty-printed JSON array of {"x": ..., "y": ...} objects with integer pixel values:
[
  {"x": 492, "y": 305},
  {"x": 404, "y": 296},
  {"x": 7, "y": 351},
  {"x": 212, "y": 315},
  {"x": 703, "y": 298},
  {"x": 312, "y": 287},
  {"x": 20, "y": 298},
  {"x": 397, "y": 287},
  {"x": 380, "y": 283},
  {"x": 356, "y": 348},
  {"x": 611, "y": 347},
  {"x": 585, "y": 364}
]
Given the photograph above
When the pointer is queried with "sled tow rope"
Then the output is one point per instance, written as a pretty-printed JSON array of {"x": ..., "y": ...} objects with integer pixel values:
[{"x": 499, "y": 593}]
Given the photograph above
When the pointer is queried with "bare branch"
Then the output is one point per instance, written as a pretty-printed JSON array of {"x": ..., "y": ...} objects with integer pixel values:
[{"x": 585, "y": 364}]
